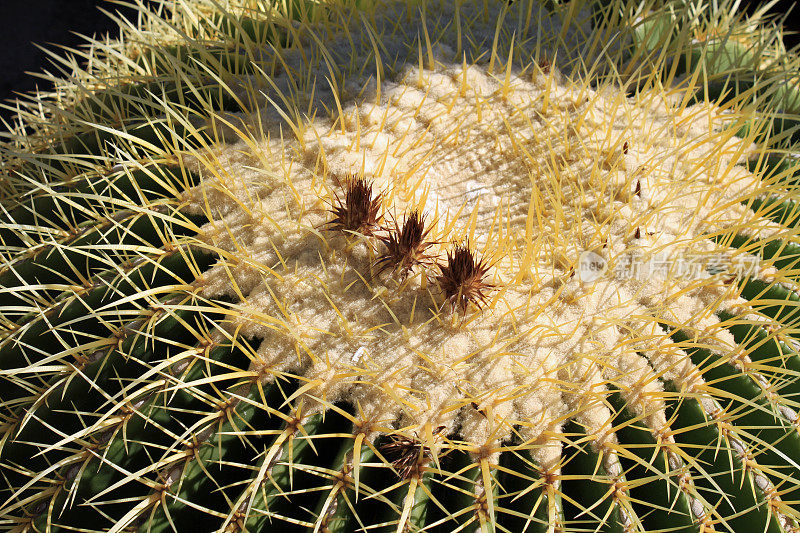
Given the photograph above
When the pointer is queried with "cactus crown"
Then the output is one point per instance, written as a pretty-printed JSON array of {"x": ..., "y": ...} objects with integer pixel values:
[{"x": 584, "y": 321}]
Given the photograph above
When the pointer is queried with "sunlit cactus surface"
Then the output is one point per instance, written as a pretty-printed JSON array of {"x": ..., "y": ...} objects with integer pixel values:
[{"x": 401, "y": 266}]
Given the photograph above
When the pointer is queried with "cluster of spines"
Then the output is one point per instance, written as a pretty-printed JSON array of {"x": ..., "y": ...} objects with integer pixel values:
[
  {"x": 462, "y": 279},
  {"x": 407, "y": 455},
  {"x": 406, "y": 247}
]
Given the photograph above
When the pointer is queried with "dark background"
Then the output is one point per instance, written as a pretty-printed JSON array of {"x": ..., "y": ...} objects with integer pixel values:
[
  {"x": 56, "y": 22},
  {"x": 48, "y": 23}
]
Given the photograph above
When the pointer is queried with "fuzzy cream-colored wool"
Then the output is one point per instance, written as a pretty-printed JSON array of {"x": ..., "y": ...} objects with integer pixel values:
[{"x": 533, "y": 167}]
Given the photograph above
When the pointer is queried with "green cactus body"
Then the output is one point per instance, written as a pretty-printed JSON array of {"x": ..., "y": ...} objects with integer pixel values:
[{"x": 405, "y": 266}]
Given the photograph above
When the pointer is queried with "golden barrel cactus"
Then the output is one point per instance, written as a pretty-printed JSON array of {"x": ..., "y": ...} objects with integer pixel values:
[{"x": 395, "y": 265}]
